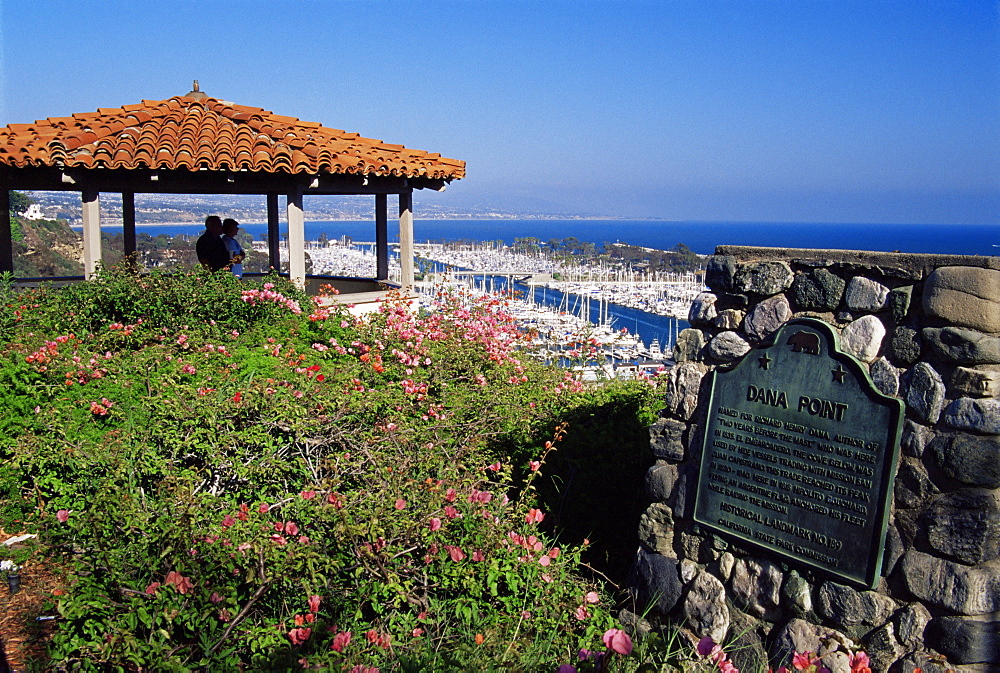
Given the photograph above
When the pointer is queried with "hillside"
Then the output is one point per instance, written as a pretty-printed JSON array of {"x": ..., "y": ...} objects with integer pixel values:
[
  {"x": 225, "y": 476},
  {"x": 45, "y": 248}
]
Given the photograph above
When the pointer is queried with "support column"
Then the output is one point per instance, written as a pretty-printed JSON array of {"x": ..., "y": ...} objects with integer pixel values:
[
  {"x": 406, "y": 242},
  {"x": 296, "y": 240},
  {"x": 91, "y": 201},
  {"x": 6, "y": 242},
  {"x": 273, "y": 233},
  {"x": 381, "y": 237},
  {"x": 128, "y": 223}
]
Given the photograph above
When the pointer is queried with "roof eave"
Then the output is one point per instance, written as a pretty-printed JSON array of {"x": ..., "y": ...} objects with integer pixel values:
[{"x": 183, "y": 181}]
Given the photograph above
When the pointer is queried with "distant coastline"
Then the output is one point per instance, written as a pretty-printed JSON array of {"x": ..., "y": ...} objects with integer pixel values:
[{"x": 542, "y": 218}]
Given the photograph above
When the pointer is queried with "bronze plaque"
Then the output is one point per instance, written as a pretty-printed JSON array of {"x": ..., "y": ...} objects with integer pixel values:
[{"x": 800, "y": 453}]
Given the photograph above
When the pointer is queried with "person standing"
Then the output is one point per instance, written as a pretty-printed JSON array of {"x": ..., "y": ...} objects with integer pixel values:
[
  {"x": 233, "y": 248},
  {"x": 211, "y": 251}
]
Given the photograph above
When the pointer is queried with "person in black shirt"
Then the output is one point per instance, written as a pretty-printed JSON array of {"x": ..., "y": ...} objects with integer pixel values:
[{"x": 211, "y": 250}]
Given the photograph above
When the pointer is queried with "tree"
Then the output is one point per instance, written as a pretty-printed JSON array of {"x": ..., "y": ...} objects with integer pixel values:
[
  {"x": 528, "y": 244},
  {"x": 19, "y": 202},
  {"x": 685, "y": 258}
]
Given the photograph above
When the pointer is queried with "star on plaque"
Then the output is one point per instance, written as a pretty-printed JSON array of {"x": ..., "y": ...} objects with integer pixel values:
[
  {"x": 764, "y": 361},
  {"x": 839, "y": 373}
]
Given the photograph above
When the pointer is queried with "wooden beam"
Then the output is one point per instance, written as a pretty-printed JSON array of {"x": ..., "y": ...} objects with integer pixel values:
[
  {"x": 6, "y": 241},
  {"x": 273, "y": 233},
  {"x": 146, "y": 181},
  {"x": 91, "y": 201},
  {"x": 128, "y": 222},
  {"x": 296, "y": 239},
  {"x": 406, "y": 242},
  {"x": 381, "y": 237}
]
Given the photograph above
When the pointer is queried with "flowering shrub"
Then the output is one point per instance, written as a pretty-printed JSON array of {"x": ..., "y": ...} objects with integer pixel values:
[
  {"x": 231, "y": 483},
  {"x": 710, "y": 650},
  {"x": 713, "y": 654},
  {"x": 256, "y": 297}
]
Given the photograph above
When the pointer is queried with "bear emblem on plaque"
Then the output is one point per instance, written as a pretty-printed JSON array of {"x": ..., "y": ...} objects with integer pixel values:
[{"x": 804, "y": 342}]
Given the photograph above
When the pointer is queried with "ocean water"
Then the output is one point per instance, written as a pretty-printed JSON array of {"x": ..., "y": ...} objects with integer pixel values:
[{"x": 701, "y": 237}]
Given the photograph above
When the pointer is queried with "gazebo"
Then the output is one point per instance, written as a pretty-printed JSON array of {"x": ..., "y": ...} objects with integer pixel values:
[{"x": 196, "y": 144}]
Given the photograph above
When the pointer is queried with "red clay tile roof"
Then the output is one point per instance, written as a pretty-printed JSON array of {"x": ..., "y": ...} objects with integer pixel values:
[{"x": 187, "y": 133}]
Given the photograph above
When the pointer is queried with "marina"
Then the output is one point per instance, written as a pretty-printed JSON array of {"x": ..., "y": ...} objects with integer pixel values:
[
  {"x": 631, "y": 321},
  {"x": 595, "y": 345}
]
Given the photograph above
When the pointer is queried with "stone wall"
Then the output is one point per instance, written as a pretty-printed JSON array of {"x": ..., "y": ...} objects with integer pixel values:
[{"x": 928, "y": 328}]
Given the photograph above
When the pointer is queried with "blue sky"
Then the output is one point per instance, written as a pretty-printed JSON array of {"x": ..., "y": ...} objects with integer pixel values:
[{"x": 780, "y": 110}]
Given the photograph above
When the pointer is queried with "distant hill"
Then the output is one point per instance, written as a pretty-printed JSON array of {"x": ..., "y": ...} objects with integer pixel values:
[{"x": 186, "y": 208}]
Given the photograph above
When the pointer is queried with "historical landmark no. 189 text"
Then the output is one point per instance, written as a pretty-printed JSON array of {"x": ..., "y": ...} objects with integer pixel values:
[{"x": 799, "y": 454}]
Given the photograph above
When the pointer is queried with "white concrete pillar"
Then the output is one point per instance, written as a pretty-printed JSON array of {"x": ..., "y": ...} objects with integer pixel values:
[
  {"x": 91, "y": 201},
  {"x": 406, "y": 242},
  {"x": 296, "y": 240}
]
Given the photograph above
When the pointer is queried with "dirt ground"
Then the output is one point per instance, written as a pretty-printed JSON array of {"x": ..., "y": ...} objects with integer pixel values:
[{"x": 22, "y": 635}]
